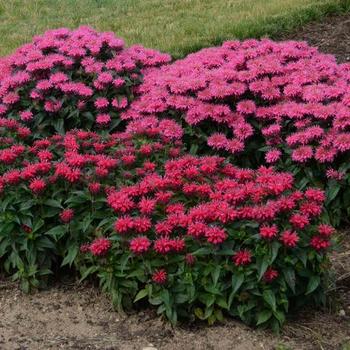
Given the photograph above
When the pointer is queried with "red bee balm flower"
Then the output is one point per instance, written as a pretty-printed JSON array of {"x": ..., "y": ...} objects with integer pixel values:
[
  {"x": 37, "y": 186},
  {"x": 289, "y": 238},
  {"x": 100, "y": 246},
  {"x": 159, "y": 276},
  {"x": 299, "y": 221},
  {"x": 326, "y": 230},
  {"x": 242, "y": 257},
  {"x": 215, "y": 235},
  {"x": 94, "y": 188},
  {"x": 190, "y": 259},
  {"x": 270, "y": 275},
  {"x": 268, "y": 231},
  {"x": 26, "y": 228},
  {"x": 319, "y": 243},
  {"x": 140, "y": 245},
  {"x": 84, "y": 248},
  {"x": 67, "y": 215}
]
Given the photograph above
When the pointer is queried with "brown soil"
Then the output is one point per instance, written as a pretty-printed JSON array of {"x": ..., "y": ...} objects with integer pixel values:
[
  {"x": 331, "y": 35},
  {"x": 80, "y": 317}
]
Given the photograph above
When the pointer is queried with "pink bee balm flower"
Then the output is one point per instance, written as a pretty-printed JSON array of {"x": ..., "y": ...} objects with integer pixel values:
[
  {"x": 302, "y": 154},
  {"x": 37, "y": 186},
  {"x": 268, "y": 232},
  {"x": 26, "y": 116},
  {"x": 159, "y": 276},
  {"x": 334, "y": 174},
  {"x": 94, "y": 187},
  {"x": 273, "y": 156},
  {"x": 100, "y": 246},
  {"x": 120, "y": 103},
  {"x": 242, "y": 257},
  {"x": 101, "y": 103},
  {"x": 326, "y": 230},
  {"x": 84, "y": 248},
  {"x": 140, "y": 245},
  {"x": 103, "y": 119},
  {"x": 319, "y": 243},
  {"x": 289, "y": 238},
  {"x": 67, "y": 215},
  {"x": 215, "y": 235},
  {"x": 299, "y": 220},
  {"x": 270, "y": 275},
  {"x": 190, "y": 259},
  {"x": 246, "y": 107}
]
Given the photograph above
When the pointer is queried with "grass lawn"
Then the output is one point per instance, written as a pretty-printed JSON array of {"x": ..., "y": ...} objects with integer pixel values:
[{"x": 175, "y": 26}]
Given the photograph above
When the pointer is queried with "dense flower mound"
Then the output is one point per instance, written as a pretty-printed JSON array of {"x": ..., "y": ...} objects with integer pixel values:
[
  {"x": 211, "y": 237},
  {"x": 260, "y": 101},
  {"x": 72, "y": 79},
  {"x": 298, "y": 97},
  {"x": 53, "y": 191}
]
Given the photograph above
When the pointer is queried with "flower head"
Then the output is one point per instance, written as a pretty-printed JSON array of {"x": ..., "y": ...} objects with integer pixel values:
[{"x": 100, "y": 246}]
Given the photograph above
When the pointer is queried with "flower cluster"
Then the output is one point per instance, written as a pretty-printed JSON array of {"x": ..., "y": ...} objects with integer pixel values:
[
  {"x": 81, "y": 158},
  {"x": 289, "y": 96},
  {"x": 200, "y": 198},
  {"x": 71, "y": 79}
]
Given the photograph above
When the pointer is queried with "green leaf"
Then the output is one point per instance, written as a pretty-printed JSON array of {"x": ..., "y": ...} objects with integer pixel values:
[
  {"x": 237, "y": 281},
  {"x": 26, "y": 205},
  {"x": 263, "y": 316},
  {"x": 275, "y": 326},
  {"x": 141, "y": 294},
  {"x": 50, "y": 212},
  {"x": 45, "y": 272},
  {"x": 165, "y": 297},
  {"x": 155, "y": 301},
  {"x": 45, "y": 242},
  {"x": 58, "y": 124},
  {"x": 194, "y": 149},
  {"x": 221, "y": 302},
  {"x": 88, "y": 272},
  {"x": 270, "y": 298},
  {"x": 53, "y": 203},
  {"x": 314, "y": 282},
  {"x": 86, "y": 223},
  {"x": 202, "y": 251},
  {"x": 218, "y": 315},
  {"x": 25, "y": 286},
  {"x": 181, "y": 298},
  {"x": 280, "y": 316},
  {"x": 5, "y": 245},
  {"x": 275, "y": 246},
  {"x": 211, "y": 319},
  {"x": 216, "y": 274},
  {"x": 199, "y": 313},
  {"x": 302, "y": 255},
  {"x": 71, "y": 255},
  {"x": 332, "y": 193},
  {"x": 289, "y": 276},
  {"x": 38, "y": 225},
  {"x": 262, "y": 265},
  {"x": 57, "y": 232}
]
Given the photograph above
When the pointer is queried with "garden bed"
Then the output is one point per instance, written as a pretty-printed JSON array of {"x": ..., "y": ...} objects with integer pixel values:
[
  {"x": 80, "y": 317},
  {"x": 68, "y": 316}
]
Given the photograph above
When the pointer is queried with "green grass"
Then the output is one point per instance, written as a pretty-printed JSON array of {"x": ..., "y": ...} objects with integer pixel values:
[{"x": 175, "y": 26}]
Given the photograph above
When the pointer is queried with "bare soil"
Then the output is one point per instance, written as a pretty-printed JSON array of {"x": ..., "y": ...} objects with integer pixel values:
[
  {"x": 331, "y": 35},
  {"x": 72, "y": 316}
]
